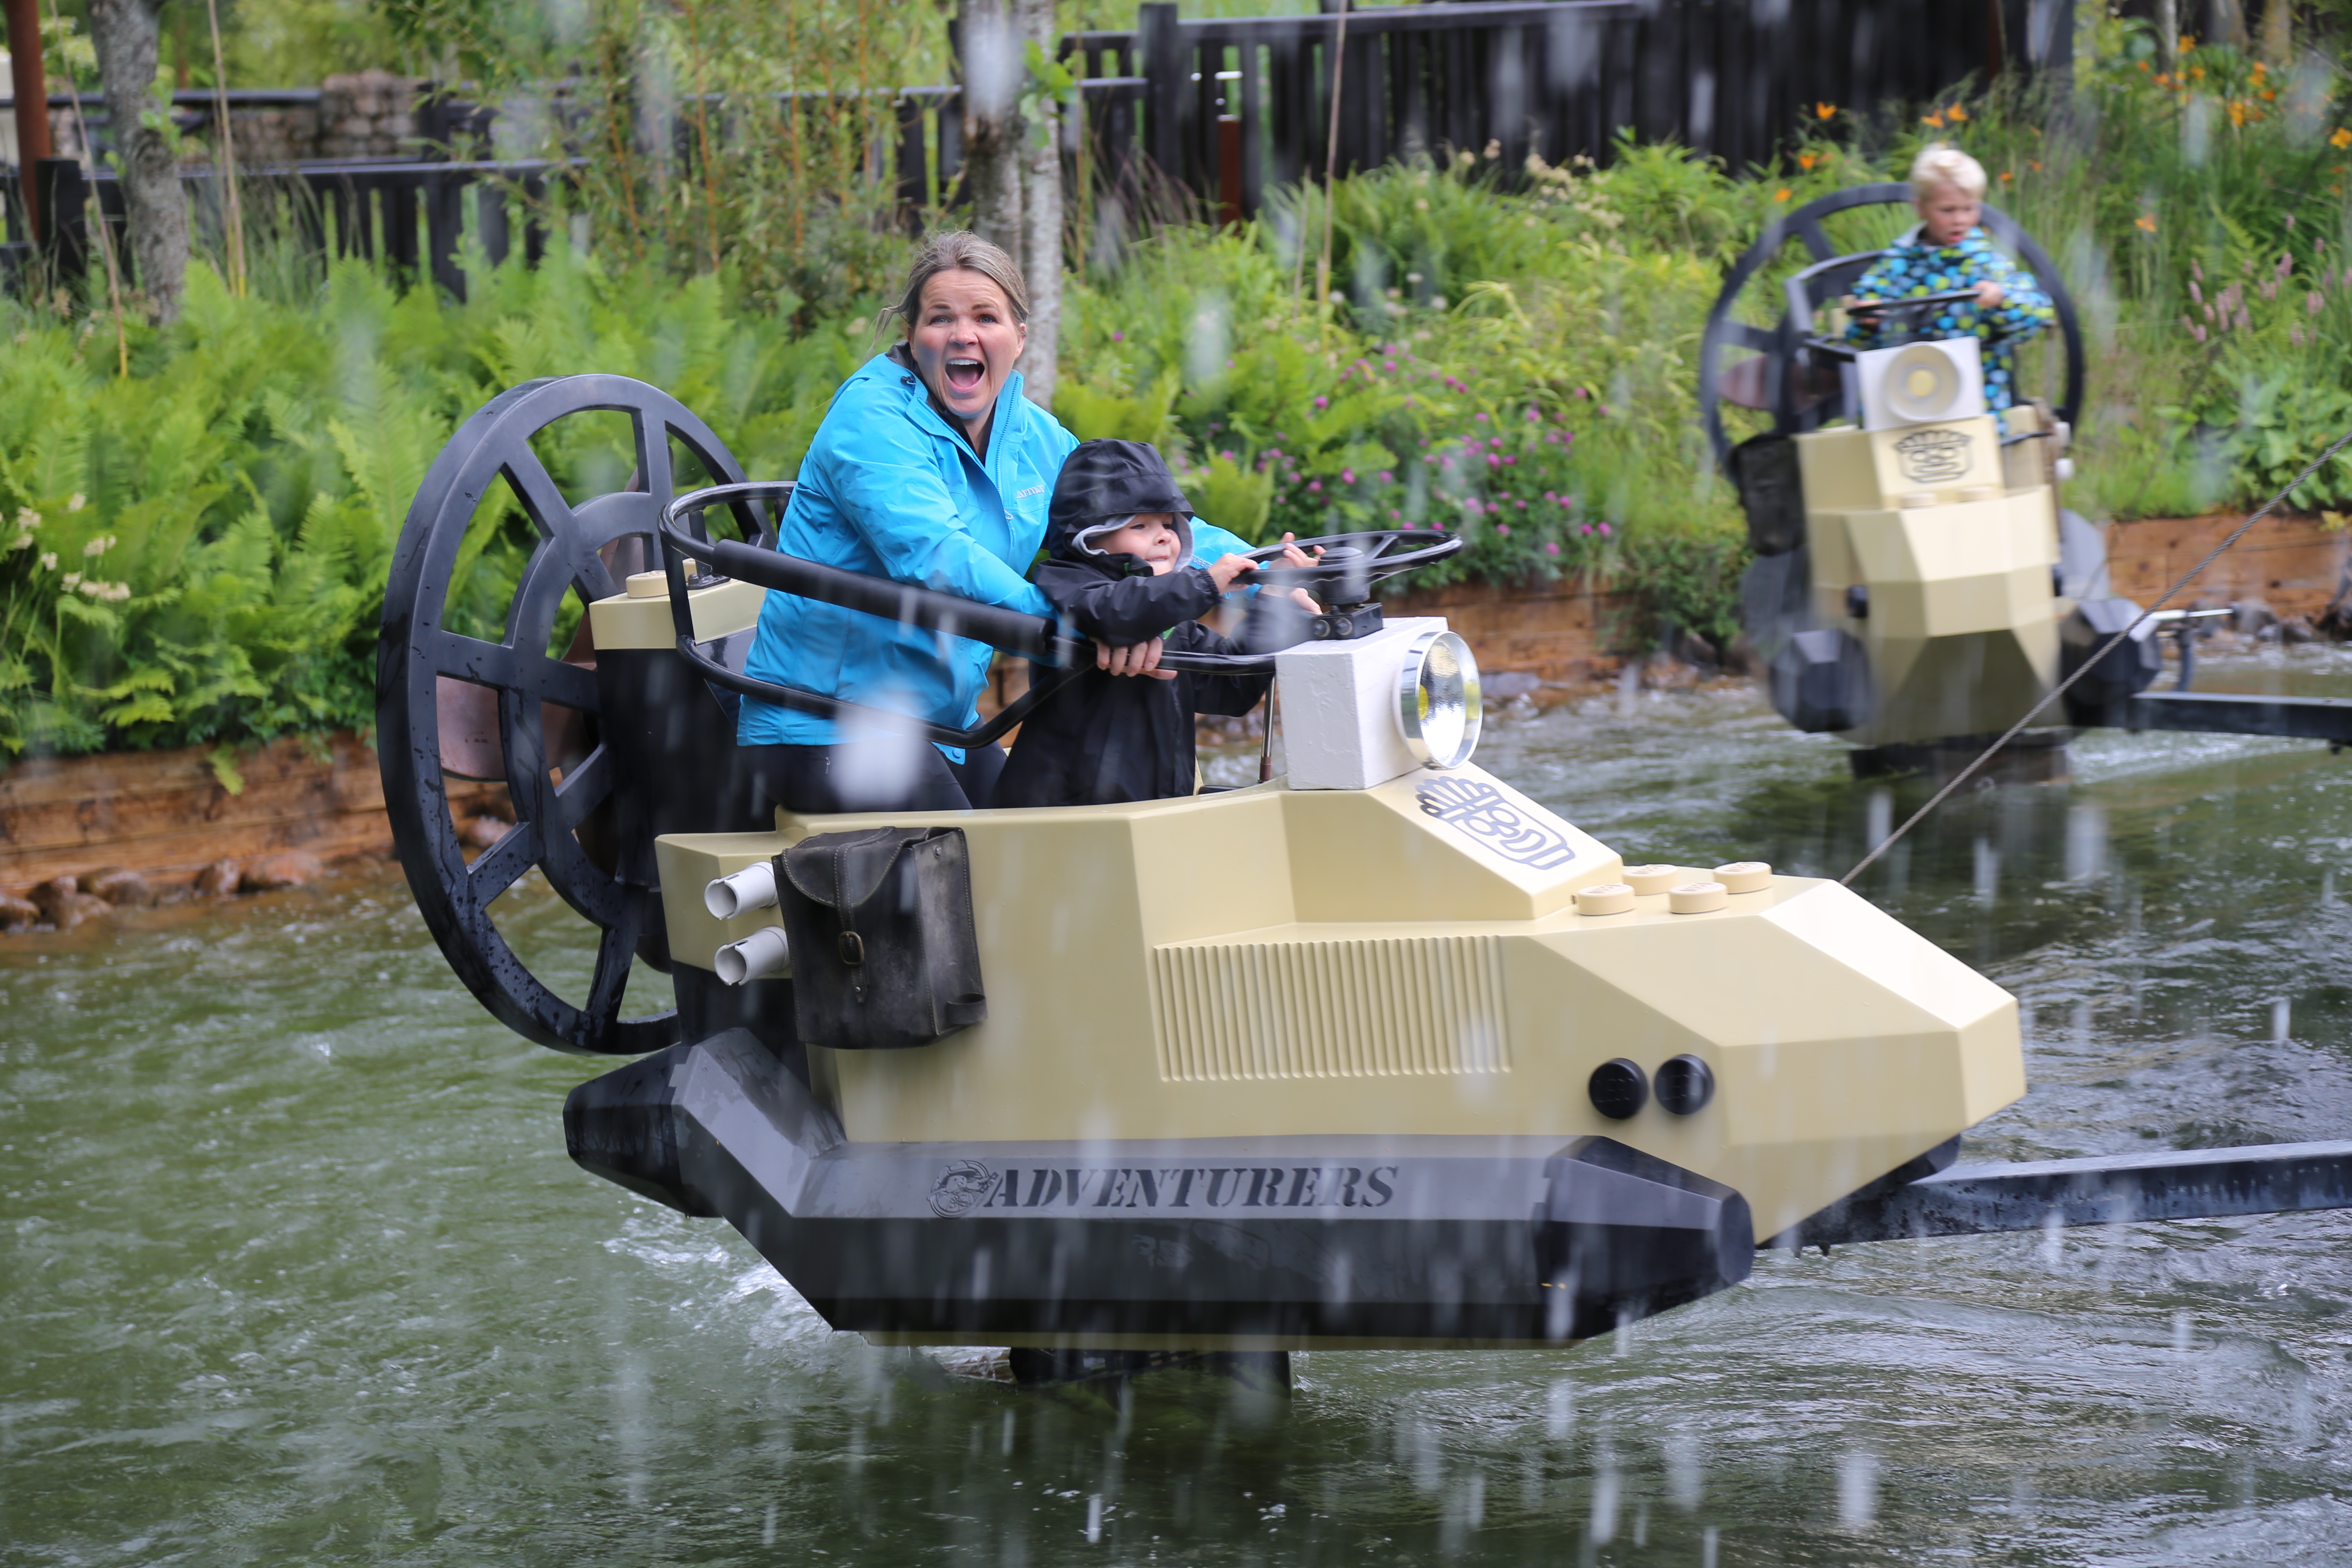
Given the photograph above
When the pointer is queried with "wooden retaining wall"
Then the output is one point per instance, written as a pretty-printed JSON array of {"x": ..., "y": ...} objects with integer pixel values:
[{"x": 164, "y": 813}]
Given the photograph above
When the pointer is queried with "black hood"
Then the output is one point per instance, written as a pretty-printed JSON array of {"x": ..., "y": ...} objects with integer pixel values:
[{"x": 1104, "y": 483}]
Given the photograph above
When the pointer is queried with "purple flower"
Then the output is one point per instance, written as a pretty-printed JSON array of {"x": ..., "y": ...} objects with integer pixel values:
[
  {"x": 1551, "y": 548},
  {"x": 1604, "y": 530},
  {"x": 1394, "y": 514},
  {"x": 1580, "y": 391},
  {"x": 1480, "y": 416},
  {"x": 1585, "y": 530},
  {"x": 1388, "y": 365},
  {"x": 1604, "y": 411},
  {"x": 1387, "y": 477},
  {"x": 1497, "y": 443},
  {"x": 1119, "y": 337},
  {"x": 1504, "y": 529},
  {"x": 1511, "y": 462},
  {"x": 1523, "y": 503},
  {"x": 1228, "y": 457},
  {"x": 1314, "y": 485},
  {"x": 1548, "y": 496},
  {"x": 1532, "y": 416},
  {"x": 1493, "y": 461},
  {"x": 1322, "y": 402},
  {"x": 1347, "y": 476}
]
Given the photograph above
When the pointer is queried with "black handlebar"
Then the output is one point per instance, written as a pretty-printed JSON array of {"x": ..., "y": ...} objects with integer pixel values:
[{"x": 1042, "y": 641}]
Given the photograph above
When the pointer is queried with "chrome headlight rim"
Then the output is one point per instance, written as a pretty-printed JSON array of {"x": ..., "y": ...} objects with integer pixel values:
[{"x": 1438, "y": 707}]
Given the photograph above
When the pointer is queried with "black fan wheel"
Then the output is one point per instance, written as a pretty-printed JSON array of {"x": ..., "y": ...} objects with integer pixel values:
[{"x": 416, "y": 652}]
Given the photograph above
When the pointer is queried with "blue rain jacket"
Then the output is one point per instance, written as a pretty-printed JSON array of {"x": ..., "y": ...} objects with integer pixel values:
[{"x": 889, "y": 490}]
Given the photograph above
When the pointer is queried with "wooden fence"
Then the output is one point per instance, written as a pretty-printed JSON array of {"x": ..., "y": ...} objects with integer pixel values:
[{"x": 1230, "y": 107}]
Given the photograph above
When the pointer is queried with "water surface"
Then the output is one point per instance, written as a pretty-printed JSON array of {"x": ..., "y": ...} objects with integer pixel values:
[{"x": 293, "y": 1267}]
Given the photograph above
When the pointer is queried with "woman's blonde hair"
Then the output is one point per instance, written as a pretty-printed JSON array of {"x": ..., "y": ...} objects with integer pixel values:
[
  {"x": 1940, "y": 164},
  {"x": 958, "y": 250}
]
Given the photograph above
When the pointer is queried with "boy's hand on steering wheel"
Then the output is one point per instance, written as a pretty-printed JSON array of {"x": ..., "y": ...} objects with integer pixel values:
[
  {"x": 1294, "y": 556},
  {"x": 1135, "y": 658},
  {"x": 1989, "y": 294},
  {"x": 1225, "y": 568}
]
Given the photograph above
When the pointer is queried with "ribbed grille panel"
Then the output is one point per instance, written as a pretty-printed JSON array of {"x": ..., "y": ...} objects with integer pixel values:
[{"x": 1361, "y": 1008}]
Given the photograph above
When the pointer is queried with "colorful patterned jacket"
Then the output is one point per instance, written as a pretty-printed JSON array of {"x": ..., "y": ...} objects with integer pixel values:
[{"x": 1911, "y": 266}]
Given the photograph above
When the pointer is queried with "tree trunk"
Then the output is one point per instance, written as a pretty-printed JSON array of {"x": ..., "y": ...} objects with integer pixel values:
[
  {"x": 1041, "y": 222},
  {"x": 993, "y": 70},
  {"x": 125, "y": 34},
  {"x": 2167, "y": 33},
  {"x": 2228, "y": 20},
  {"x": 2277, "y": 45}
]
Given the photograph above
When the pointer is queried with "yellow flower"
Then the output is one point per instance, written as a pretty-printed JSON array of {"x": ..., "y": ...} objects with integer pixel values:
[
  {"x": 1958, "y": 115},
  {"x": 2236, "y": 108},
  {"x": 2341, "y": 139},
  {"x": 1781, "y": 195},
  {"x": 2145, "y": 221},
  {"x": 1824, "y": 110},
  {"x": 2032, "y": 165},
  {"x": 1935, "y": 120},
  {"x": 1806, "y": 160},
  {"x": 2006, "y": 176}
]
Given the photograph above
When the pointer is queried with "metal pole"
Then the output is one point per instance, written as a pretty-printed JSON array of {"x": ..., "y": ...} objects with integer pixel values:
[{"x": 31, "y": 83}]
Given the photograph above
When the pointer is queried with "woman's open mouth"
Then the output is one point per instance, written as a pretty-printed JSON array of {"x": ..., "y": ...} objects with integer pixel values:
[{"x": 964, "y": 374}]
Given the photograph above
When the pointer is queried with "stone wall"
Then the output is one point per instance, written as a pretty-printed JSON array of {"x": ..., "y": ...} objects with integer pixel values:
[{"x": 369, "y": 117}]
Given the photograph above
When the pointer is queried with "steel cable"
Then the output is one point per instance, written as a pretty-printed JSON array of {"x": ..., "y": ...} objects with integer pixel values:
[{"x": 2091, "y": 663}]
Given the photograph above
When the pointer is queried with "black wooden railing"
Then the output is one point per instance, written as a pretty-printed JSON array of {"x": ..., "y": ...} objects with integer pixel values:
[{"x": 409, "y": 215}]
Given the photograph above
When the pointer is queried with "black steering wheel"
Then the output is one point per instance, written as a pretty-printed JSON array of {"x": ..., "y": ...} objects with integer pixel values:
[
  {"x": 1349, "y": 564},
  {"x": 1799, "y": 405}
]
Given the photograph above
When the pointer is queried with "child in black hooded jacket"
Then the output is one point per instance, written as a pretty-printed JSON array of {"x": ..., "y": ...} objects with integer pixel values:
[{"x": 1119, "y": 542}]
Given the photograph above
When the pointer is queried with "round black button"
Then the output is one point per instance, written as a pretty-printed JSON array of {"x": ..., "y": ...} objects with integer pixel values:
[
  {"x": 1685, "y": 1085},
  {"x": 1619, "y": 1090}
]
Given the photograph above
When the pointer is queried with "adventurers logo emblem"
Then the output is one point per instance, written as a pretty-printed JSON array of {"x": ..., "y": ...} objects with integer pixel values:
[
  {"x": 1932, "y": 457},
  {"x": 970, "y": 1185},
  {"x": 1480, "y": 811},
  {"x": 960, "y": 1186}
]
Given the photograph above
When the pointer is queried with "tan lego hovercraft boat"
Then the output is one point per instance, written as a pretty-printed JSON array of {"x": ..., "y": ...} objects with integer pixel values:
[
  {"x": 1918, "y": 587},
  {"x": 1379, "y": 1053}
]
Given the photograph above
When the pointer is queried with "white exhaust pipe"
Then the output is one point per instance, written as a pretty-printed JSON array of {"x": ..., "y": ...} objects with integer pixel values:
[
  {"x": 763, "y": 952},
  {"x": 752, "y": 888}
]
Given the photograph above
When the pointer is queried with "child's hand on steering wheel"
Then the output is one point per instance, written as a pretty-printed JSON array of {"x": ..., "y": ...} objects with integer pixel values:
[
  {"x": 1294, "y": 556},
  {"x": 1989, "y": 294}
]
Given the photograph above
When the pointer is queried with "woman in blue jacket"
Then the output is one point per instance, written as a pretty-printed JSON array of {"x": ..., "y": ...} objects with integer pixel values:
[{"x": 930, "y": 469}]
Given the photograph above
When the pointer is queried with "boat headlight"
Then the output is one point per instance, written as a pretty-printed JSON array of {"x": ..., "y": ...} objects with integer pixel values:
[{"x": 1437, "y": 699}]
